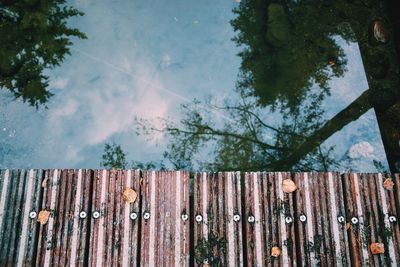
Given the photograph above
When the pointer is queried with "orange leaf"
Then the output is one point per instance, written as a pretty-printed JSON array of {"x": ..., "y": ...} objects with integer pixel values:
[
  {"x": 288, "y": 186},
  {"x": 275, "y": 252},
  {"x": 43, "y": 216},
  {"x": 377, "y": 248},
  {"x": 129, "y": 195},
  {"x": 388, "y": 184}
]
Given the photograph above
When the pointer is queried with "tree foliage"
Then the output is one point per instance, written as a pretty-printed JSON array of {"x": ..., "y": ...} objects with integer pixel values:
[
  {"x": 114, "y": 157},
  {"x": 34, "y": 36},
  {"x": 287, "y": 47}
]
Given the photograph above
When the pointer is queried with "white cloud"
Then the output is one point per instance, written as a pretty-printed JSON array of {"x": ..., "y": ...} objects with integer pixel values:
[
  {"x": 362, "y": 149},
  {"x": 114, "y": 109},
  {"x": 58, "y": 83}
]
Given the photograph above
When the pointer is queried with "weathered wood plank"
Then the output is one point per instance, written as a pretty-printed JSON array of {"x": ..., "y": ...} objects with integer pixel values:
[
  {"x": 165, "y": 219},
  {"x": 62, "y": 240},
  {"x": 130, "y": 221},
  {"x": 270, "y": 220},
  {"x": 19, "y": 196},
  {"x": 218, "y": 219}
]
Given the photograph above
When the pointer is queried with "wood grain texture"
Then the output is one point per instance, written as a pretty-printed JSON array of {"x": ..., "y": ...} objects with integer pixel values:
[{"x": 213, "y": 219}]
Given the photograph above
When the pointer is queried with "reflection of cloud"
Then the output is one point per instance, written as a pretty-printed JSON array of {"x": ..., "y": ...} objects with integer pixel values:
[
  {"x": 114, "y": 109},
  {"x": 59, "y": 83},
  {"x": 165, "y": 62},
  {"x": 362, "y": 149}
]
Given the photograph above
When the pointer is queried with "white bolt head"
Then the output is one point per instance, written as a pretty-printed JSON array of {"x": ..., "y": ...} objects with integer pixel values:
[
  {"x": 32, "y": 215},
  {"x": 96, "y": 214},
  {"x": 82, "y": 215},
  {"x": 184, "y": 217},
  {"x": 133, "y": 216},
  {"x": 341, "y": 219},
  {"x": 392, "y": 219},
  {"x": 146, "y": 215},
  {"x": 303, "y": 218},
  {"x": 354, "y": 220},
  {"x": 251, "y": 219},
  {"x": 288, "y": 220},
  {"x": 236, "y": 217},
  {"x": 199, "y": 218}
]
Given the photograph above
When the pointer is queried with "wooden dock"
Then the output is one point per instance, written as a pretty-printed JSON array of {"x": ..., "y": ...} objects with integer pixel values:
[{"x": 177, "y": 218}]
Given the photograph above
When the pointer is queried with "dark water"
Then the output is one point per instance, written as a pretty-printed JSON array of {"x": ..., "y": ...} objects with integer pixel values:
[{"x": 218, "y": 85}]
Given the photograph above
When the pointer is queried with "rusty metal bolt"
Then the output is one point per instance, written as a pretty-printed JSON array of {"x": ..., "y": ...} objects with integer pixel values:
[
  {"x": 199, "y": 218},
  {"x": 236, "y": 217},
  {"x": 288, "y": 220},
  {"x": 146, "y": 215},
  {"x": 341, "y": 219},
  {"x": 96, "y": 214},
  {"x": 392, "y": 219},
  {"x": 303, "y": 218},
  {"x": 133, "y": 215},
  {"x": 184, "y": 217},
  {"x": 32, "y": 215},
  {"x": 82, "y": 215},
  {"x": 251, "y": 219},
  {"x": 354, "y": 220}
]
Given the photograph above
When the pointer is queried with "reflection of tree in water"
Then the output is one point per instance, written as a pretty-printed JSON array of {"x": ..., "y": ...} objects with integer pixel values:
[
  {"x": 34, "y": 37},
  {"x": 289, "y": 55},
  {"x": 288, "y": 47}
]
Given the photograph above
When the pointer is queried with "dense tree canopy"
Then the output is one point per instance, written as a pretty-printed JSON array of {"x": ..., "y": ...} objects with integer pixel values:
[{"x": 34, "y": 36}]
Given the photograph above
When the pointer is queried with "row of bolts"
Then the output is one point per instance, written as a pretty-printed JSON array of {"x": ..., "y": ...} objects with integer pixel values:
[{"x": 236, "y": 217}]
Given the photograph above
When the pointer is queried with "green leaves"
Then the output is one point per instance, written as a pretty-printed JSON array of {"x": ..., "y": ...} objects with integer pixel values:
[{"x": 33, "y": 37}]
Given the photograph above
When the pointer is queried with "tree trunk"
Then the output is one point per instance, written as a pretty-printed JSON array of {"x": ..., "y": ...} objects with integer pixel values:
[{"x": 351, "y": 113}]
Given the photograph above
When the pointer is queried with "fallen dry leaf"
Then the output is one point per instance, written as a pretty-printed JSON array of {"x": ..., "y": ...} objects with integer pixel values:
[
  {"x": 43, "y": 216},
  {"x": 377, "y": 248},
  {"x": 129, "y": 195},
  {"x": 44, "y": 183},
  {"x": 388, "y": 184},
  {"x": 275, "y": 252},
  {"x": 348, "y": 226},
  {"x": 288, "y": 186}
]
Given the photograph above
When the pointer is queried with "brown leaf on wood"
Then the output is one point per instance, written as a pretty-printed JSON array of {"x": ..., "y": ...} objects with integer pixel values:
[
  {"x": 129, "y": 195},
  {"x": 275, "y": 252},
  {"x": 377, "y": 248},
  {"x": 44, "y": 183},
  {"x": 388, "y": 184},
  {"x": 288, "y": 186},
  {"x": 43, "y": 216}
]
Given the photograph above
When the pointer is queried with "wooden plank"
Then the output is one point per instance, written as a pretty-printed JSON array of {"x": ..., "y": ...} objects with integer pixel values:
[
  {"x": 114, "y": 234},
  {"x": 130, "y": 221},
  {"x": 336, "y": 215},
  {"x": 78, "y": 233},
  {"x": 19, "y": 195},
  {"x": 273, "y": 223},
  {"x": 165, "y": 223},
  {"x": 369, "y": 203},
  {"x": 218, "y": 219},
  {"x": 389, "y": 230},
  {"x": 62, "y": 240}
]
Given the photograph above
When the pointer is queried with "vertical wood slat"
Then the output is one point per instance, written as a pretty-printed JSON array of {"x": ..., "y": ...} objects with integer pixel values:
[
  {"x": 19, "y": 195},
  {"x": 130, "y": 221},
  {"x": 218, "y": 235},
  {"x": 165, "y": 233},
  {"x": 62, "y": 240}
]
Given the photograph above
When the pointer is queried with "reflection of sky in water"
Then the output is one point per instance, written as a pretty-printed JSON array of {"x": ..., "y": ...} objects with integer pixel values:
[{"x": 144, "y": 60}]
